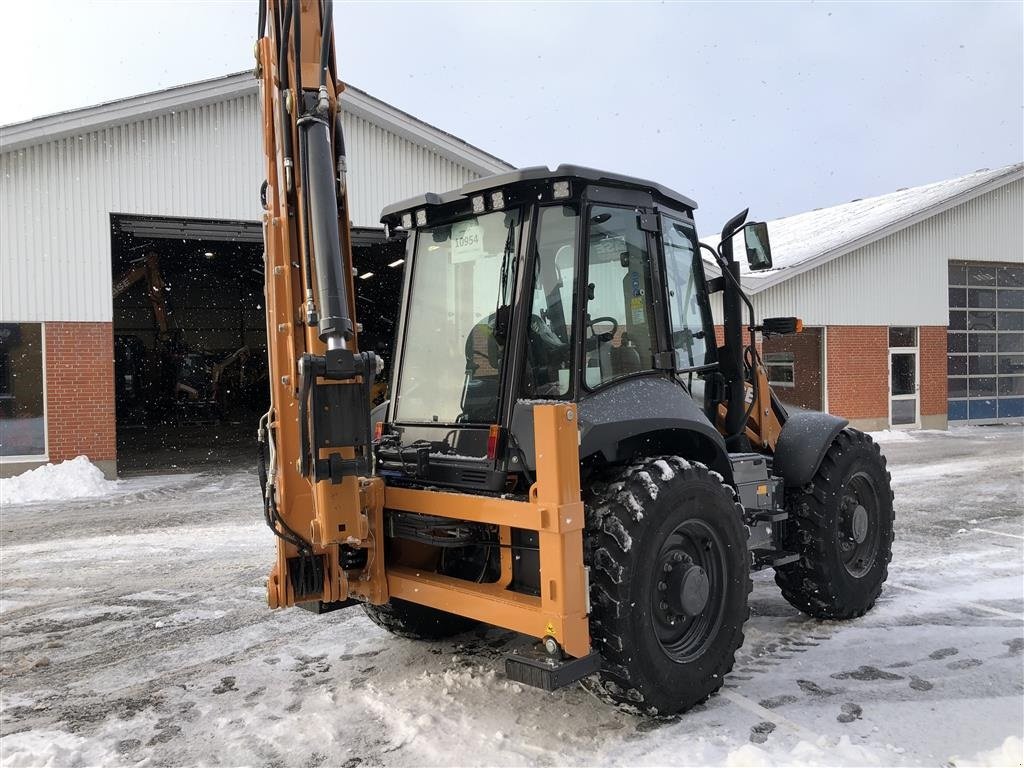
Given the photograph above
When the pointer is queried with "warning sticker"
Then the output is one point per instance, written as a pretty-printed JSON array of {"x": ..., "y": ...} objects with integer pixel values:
[{"x": 636, "y": 310}]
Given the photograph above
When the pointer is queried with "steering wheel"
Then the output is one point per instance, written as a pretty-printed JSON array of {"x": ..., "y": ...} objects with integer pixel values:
[{"x": 607, "y": 335}]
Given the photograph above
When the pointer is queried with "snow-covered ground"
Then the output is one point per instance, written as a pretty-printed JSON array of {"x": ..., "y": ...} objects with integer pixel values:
[{"x": 135, "y": 632}]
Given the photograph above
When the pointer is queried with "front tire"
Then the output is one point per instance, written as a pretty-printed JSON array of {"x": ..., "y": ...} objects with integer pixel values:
[
  {"x": 842, "y": 527},
  {"x": 669, "y": 585}
]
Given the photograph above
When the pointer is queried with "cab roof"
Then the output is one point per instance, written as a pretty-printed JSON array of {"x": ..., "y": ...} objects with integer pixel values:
[{"x": 532, "y": 174}]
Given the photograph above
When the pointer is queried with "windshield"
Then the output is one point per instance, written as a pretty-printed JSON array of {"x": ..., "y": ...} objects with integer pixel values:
[{"x": 457, "y": 321}]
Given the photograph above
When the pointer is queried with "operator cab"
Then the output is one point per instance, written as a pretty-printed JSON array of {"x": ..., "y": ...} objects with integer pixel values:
[{"x": 544, "y": 285}]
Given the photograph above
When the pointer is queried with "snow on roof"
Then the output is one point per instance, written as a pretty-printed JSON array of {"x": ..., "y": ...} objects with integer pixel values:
[{"x": 809, "y": 239}]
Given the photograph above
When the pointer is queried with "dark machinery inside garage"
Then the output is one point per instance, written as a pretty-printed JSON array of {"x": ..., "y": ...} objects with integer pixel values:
[{"x": 190, "y": 359}]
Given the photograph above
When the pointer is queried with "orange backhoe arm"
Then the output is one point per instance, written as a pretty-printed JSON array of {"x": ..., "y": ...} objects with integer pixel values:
[
  {"x": 330, "y": 538},
  {"x": 148, "y": 268}
]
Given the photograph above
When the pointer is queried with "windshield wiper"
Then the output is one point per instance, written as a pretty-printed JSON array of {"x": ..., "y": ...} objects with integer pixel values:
[{"x": 501, "y": 308}]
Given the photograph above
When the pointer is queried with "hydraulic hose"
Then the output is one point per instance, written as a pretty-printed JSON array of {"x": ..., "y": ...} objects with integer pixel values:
[
  {"x": 297, "y": 45},
  {"x": 326, "y": 37},
  {"x": 282, "y": 68}
]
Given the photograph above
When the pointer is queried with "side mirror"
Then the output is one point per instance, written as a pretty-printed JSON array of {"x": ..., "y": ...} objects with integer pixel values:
[{"x": 759, "y": 249}]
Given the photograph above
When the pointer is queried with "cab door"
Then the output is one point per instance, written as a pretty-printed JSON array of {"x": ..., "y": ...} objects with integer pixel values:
[{"x": 620, "y": 299}]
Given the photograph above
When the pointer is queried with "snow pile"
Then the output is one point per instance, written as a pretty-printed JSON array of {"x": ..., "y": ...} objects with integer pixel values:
[
  {"x": 892, "y": 436},
  {"x": 1010, "y": 752},
  {"x": 52, "y": 749},
  {"x": 74, "y": 479}
]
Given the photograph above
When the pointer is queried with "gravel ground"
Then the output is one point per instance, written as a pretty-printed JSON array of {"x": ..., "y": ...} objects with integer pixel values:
[{"x": 135, "y": 632}]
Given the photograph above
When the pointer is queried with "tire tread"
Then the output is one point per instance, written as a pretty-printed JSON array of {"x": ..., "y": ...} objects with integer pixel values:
[
  {"x": 620, "y": 507},
  {"x": 808, "y": 584}
]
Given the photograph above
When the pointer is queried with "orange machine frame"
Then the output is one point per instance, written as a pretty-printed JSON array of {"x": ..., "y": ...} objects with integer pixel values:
[{"x": 351, "y": 512}]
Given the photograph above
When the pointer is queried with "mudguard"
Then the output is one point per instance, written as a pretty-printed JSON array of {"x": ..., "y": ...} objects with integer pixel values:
[
  {"x": 639, "y": 416},
  {"x": 805, "y": 438}
]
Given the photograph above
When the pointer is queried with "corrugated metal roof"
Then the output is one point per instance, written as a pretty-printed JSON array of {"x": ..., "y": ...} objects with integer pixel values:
[
  {"x": 807, "y": 240},
  {"x": 167, "y": 101}
]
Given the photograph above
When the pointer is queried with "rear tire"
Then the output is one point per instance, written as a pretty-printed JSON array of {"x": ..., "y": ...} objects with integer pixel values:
[
  {"x": 842, "y": 527},
  {"x": 669, "y": 584}
]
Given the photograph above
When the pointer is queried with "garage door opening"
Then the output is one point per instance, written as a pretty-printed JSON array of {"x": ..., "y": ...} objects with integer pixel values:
[
  {"x": 190, "y": 374},
  {"x": 190, "y": 347}
]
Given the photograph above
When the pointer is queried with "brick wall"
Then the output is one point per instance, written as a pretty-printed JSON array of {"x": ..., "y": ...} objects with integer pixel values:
[
  {"x": 805, "y": 347},
  {"x": 80, "y": 391},
  {"x": 932, "y": 365},
  {"x": 858, "y": 371}
]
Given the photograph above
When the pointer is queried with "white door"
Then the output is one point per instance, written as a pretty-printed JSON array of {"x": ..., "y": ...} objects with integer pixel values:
[{"x": 904, "y": 388}]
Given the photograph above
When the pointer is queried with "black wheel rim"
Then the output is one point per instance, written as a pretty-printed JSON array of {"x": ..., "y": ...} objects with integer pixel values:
[
  {"x": 693, "y": 554},
  {"x": 859, "y": 525}
]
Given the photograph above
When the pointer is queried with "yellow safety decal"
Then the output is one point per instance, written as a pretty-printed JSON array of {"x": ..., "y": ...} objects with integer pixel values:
[{"x": 549, "y": 629}]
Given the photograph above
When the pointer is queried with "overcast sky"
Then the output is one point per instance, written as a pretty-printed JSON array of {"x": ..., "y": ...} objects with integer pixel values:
[{"x": 782, "y": 107}]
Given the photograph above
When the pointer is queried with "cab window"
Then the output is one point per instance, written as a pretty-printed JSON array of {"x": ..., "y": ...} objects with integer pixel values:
[
  {"x": 619, "y": 333},
  {"x": 689, "y": 333},
  {"x": 548, "y": 349}
]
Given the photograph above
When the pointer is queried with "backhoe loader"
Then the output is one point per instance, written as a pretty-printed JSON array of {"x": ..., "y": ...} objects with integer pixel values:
[{"x": 568, "y": 452}]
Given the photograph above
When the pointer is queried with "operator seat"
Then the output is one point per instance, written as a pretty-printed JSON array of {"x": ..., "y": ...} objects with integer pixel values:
[{"x": 483, "y": 371}]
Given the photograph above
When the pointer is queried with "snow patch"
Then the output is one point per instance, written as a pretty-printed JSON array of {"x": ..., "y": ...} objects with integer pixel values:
[
  {"x": 892, "y": 436},
  {"x": 803, "y": 753},
  {"x": 75, "y": 479},
  {"x": 614, "y": 528},
  {"x": 53, "y": 749},
  {"x": 1010, "y": 752},
  {"x": 633, "y": 504},
  {"x": 667, "y": 473},
  {"x": 649, "y": 484}
]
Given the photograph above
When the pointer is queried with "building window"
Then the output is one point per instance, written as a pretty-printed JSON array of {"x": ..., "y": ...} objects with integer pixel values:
[
  {"x": 986, "y": 342},
  {"x": 781, "y": 371},
  {"x": 900, "y": 336},
  {"x": 22, "y": 395}
]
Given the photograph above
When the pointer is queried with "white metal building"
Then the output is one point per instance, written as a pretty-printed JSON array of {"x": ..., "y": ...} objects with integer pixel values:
[
  {"x": 182, "y": 163},
  {"x": 913, "y": 301}
]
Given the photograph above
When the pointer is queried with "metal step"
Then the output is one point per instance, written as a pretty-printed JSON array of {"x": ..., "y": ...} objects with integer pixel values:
[
  {"x": 774, "y": 558},
  {"x": 548, "y": 673},
  {"x": 319, "y": 606},
  {"x": 768, "y": 515}
]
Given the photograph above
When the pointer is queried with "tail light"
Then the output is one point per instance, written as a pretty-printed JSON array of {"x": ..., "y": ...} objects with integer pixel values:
[
  {"x": 378, "y": 431},
  {"x": 494, "y": 435}
]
